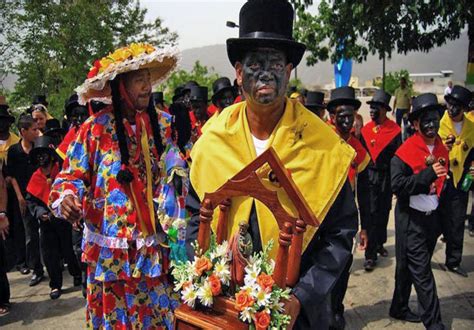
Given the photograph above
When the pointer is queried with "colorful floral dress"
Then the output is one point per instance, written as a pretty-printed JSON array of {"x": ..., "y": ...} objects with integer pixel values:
[
  {"x": 128, "y": 284},
  {"x": 172, "y": 212}
]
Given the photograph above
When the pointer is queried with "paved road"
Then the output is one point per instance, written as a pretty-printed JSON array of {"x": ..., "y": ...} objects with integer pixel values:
[{"x": 367, "y": 301}]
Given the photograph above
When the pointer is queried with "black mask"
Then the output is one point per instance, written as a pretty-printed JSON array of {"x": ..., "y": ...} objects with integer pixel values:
[
  {"x": 454, "y": 109},
  {"x": 200, "y": 110},
  {"x": 43, "y": 159},
  {"x": 79, "y": 115},
  {"x": 4, "y": 125},
  {"x": 374, "y": 112},
  {"x": 344, "y": 118},
  {"x": 225, "y": 100},
  {"x": 429, "y": 123},
  {"x": 264, "y": 75}
]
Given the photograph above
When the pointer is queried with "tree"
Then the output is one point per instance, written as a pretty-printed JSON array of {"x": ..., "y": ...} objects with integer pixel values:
[
  {"x": 199, "y": 73},
  {"x": 392, "y": 81},
  {"x": 50, "y": 45},
  {"x": 353, "y": 29}
]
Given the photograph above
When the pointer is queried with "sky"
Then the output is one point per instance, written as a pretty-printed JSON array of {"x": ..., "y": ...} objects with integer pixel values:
[{"x": 198, "y": 23}]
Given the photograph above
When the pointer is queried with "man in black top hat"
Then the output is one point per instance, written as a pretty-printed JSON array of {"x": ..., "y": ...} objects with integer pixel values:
[
  {"x": 458, "y": 134},
  {"x": 159, "y": 101},
  {"x": 263, "y": 57},
  {"x": 315, "y": 103},
  {"x": 76, "y": 114},
  {"x": 419, "y": 170},
  {"x": 198, "y": 97},
  {"x": 381, "y": 137},
  {"x": 54, "y": 130},
  {"x": 223, "y": 93}
]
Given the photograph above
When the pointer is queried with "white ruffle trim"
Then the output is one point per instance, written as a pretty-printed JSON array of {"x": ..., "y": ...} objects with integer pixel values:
[
  {"x": 98, "y": 82},
  {"x": 121, "y": 242}
]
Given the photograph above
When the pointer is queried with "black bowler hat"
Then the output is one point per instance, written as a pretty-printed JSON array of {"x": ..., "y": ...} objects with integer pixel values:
[
  {"x": 381, "y": 98},
  {"x": 422, "y": 103},
  {"x": 187, "y": 86},
  {"x": 4, "y": 113},
  {"x": 178, "y": 92},
  {"x": 157, "y": 98},
  {"x": 53, "y": 126},
  {"x": 315, "y": 100},
  {"x": 221, "y": 85},
  {"x": 40, "y": 99},
  {"x": 343, "y": 96},
  {"x": 459, "y": 94},
  {"x": 265, "y": 23},
  {"x": 198, "y": 94},
  {"x": 42, "y": 143},
  {"x": 71, "y": 103}
]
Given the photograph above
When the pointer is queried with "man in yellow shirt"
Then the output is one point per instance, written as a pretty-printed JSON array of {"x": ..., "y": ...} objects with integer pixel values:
[{"x": 402, "y": 102}]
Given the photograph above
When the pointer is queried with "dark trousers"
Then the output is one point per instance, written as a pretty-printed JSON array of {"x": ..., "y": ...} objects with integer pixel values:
[
  {"x": 377, "y": 230},
  {"x": 17, "y": 231},
  {"x": 414, "y": 249},
  {"x": 33, "y": 256},
  {"x": 4, "y": 285},
  {"x": 399, "y": 113},
  {"x": 77, "y": 246},
  {"x": 56, "y": 243},
  {"x": 453, "y": 227},
  {"x": 339, "y": 291}
]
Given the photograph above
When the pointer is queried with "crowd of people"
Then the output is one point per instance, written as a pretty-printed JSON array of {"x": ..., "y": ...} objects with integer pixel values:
[{"x": 114, "y": 191}]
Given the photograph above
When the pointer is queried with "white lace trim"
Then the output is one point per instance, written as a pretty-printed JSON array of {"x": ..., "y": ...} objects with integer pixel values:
[{"x": 121, "y": 242}]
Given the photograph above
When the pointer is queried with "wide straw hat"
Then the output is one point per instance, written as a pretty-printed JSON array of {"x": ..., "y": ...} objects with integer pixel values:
[{"x": 159, "y": 61}]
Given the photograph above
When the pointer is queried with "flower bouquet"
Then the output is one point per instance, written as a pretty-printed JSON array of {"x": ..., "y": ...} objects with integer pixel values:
[
  {"x": 259, "y": 300},
  {"x": 206, "y": 277}
]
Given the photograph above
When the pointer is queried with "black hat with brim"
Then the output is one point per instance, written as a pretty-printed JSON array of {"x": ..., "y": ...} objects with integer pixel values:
[
  {"x": 423, "y": 103},
  {"x": 42, "y": 144},
  {"x": 315, "y": 100},
  {"x": 4, "y": 113},
  {"x": 459, "y": 94},
  {"x": 381, "y": 98},
  {"x": 265, "y": 24},
  {"x": 53, "y": 126},
  {"x": 343, "y": 96},
  {"x": 220, "y": 86},
  {"x": 199, "y": 94}
]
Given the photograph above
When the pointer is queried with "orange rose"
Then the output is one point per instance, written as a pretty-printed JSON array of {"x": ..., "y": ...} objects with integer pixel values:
[
  {"x": 242, "y": 300},
  {"x": 266, "y": 282},
  {"x": 262, "y": 320},
  {"x": 215, "y": 283},
  {"x": 203, "y": 265},
  {"x": 186, "y": 284}
]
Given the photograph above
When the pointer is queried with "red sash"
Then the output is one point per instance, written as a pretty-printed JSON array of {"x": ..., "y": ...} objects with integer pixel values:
[
  {"x": 40, "y": 185},
  {"x": 361, "y": 157},
  {"x": 212, "y": 109},
  {"x": 377, "y": 137},
  {"x": 68, "y": 139},
  {"x": 414, "y": 153}
]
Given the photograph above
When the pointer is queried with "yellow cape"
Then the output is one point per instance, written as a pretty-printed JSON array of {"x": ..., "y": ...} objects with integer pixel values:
[
  {"x": 317, "y": 158},
  {"x": 457, "y": 154}
]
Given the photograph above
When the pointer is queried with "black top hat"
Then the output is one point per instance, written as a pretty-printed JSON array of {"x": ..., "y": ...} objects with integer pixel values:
[
  {"x": 178, "y": 92},
  {"x": 265, "y": 23},
  {"x": 315, "y": 100},
  {"x": 157, "y": 97},
  {"x": 42, "y": 143},
  {"x": 71, "y": 103},
  {"x": 343, "y": 96},
  {"x": 53, "y": 126},
  {"x": 422, "y": 103},
  {"x": 40, "y": 99},
  {"x": 460, "y": 94},
  {"x": 198, "y": 93},
  {"x": 221, "y": 85},
  {"x": 381, "y": 98},
  {"x": 4, "y": 113},
  {"x": 187, "y": 86}
]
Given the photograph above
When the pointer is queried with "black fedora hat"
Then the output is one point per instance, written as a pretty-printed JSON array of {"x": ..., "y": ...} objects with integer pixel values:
[
  {"x": 40, "y": 99},
  {"x": 198, "y": 94},
  {"x": 381, "y": 98},
  {"x": 315, "y": 100},
  {"x": 178, "y": 92},
  {"x": 4, "y": 113},
  {"x": 157, "y": 98},
  {"x": 343, "y": 96},
  {"x": 221, "y": 85},
  {"x": 71, "y": 103},
  {"x": 265, "y": 23},
  {"x": 459, "y": 94},
  {"x": 53, "y": 126},
  {"x": 42, "y": 143},
  {"x": 422, "y": 103}
]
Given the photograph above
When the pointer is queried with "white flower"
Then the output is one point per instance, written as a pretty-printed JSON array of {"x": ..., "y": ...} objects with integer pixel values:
[
  {"x": 262, "y": 298},
  {"x": 247, "y": 314},
  {"x": 189, "y": 295},
  {"x": 252, "y": 289},
  {"x": 205, "y": 294},
  {"x": 252, "y": 271},
  {"x": 222, "y": 270}
]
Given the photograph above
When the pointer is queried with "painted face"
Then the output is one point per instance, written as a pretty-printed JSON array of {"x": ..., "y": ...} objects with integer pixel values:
[
  {"x": 79, "y": 115},
  {"x": 344, "y": 118},
  {"x": 429, "y": 123},
  {"x": 375, "y": 112},
  {"x": 43, "y": 159},
  {"x": 40, "y": 119},
  {"x": 4, "y": 124},
  {"x": 454, "y": 109},
  {"x": 200, "y": 110},
  {"x": 264, "y": 75},
  {"x": 225, "y": 100},
  {"x": 138, "y": 85}
]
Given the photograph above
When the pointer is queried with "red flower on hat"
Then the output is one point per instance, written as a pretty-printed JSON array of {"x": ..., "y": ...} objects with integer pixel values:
[{"x": 94, "y": 70}]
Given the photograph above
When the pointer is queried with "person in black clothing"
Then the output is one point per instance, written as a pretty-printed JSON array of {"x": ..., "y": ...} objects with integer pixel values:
[
  {"x": 4, "y": 228},
  {"x": 381, "y": 137},
  {"x": 20, "y": 169},
  {"x": 56, "y": 234},
  {"x": 419, "y": 170}
]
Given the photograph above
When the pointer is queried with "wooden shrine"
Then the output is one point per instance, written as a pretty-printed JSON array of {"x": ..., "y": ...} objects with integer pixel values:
[{"x": 223, "y": 315}]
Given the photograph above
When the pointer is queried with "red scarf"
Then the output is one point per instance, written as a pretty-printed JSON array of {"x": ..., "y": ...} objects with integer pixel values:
[
  {"x": 68, "y": 139},
  {"x": 212, "y": 109},
  {"x": 40, "y": 185},
  {"x": 361, "y": 157},
  {"x": 377, "y": 137},
  {"x": 414, "y": 153}
]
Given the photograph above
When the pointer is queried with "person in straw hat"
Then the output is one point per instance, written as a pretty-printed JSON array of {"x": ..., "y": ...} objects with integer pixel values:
[{"x": 110, "y": 179}]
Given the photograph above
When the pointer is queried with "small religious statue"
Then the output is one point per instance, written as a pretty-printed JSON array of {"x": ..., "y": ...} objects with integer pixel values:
[{"x": 241, "y": 248}]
